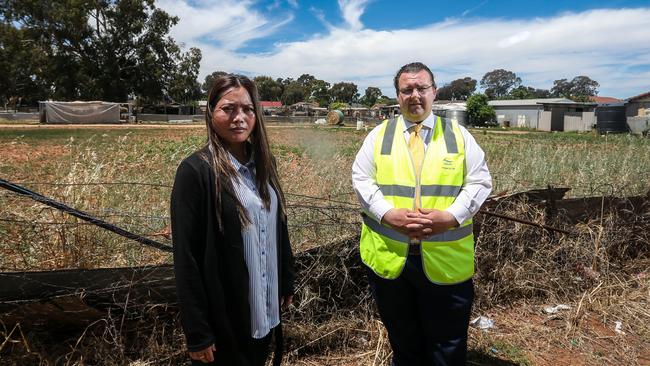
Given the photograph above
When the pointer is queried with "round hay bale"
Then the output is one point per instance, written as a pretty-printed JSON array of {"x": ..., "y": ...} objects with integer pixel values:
[{"x": 335, "y": 117}]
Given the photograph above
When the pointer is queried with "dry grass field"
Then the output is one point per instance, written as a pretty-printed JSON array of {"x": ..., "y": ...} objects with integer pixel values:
[{"x": 123, "y": 175}]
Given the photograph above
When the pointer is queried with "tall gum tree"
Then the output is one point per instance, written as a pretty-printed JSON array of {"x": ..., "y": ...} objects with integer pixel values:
[
  {"x": 109, "y": 50},
  {"x": 498, "y": 83}
]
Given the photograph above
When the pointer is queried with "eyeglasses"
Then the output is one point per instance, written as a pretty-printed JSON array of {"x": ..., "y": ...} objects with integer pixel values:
[{"x": 409, "y": 91}]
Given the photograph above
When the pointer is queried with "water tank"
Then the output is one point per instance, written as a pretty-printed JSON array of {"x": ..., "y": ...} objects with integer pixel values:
[
  {"x": 457, "y": 114},
  {"x": 611, "y": 119}
]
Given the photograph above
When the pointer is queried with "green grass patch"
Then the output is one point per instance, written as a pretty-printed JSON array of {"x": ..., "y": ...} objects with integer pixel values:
[
  {"x": 510, "y": 351},
  {"x": 589, "y": 164},
  {"x": 287, "y": 150}
]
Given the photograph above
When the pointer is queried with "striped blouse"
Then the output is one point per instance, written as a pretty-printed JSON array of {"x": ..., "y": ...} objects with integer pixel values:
[{"x": 260, "y": 250}]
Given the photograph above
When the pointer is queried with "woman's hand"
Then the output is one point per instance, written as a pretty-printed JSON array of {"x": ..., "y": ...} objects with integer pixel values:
[
  {"x": 286, "y": 301},
  {"x": 205, "y": 355}
]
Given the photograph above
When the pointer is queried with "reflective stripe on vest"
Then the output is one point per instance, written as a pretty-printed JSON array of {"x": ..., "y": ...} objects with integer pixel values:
[
  {"x": 425, "y": 190},
  {"x": 447, "y": 257}
]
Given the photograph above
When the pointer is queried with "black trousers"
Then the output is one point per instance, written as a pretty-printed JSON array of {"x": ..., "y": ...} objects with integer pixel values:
[
  {"x": 426, "y": 323},
  {"x": 255, "y": 354}
]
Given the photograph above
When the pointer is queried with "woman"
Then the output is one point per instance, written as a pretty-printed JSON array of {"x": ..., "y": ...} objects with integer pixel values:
[{"x": 232, "y": 256}]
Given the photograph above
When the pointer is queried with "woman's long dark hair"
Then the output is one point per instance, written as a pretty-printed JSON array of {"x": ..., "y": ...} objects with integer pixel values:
[{"x": 217, "y": 156}]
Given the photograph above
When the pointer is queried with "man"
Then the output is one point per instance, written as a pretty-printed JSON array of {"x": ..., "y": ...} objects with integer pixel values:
[{"x": 420, "y": 179}]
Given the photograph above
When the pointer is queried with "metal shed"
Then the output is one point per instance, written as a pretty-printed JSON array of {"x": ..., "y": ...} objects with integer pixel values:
[
  {"x": 638, "y": 113},
  {"x": 545, "y": 114}
]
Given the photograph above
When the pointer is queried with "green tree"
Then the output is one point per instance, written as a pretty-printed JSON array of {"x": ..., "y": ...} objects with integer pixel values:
[
  {"x": 522, "y": 92},
  {"x": 321, "y": 93},
  {"x": 307, "y": 82},
  {"x": 268, "y": 88},
  {"x": 386, "y": 100},
  {"x": 344, "y": 92},
  {"x": 583, "y": 87},
  {"x": 338, "y": 106},
  {"x": 21, "y": 69},
  {"x": 293, "y": 93},
  {"x": 527, "y": 92},
  {"x": 371, "y": 96},
  {"x": 580, "y": 88},
  {"x": 561, "y": 88},
  {"x": 209, "y": 80},
  {"x": 498, "y": 83},
  {"x": 479, "y": 113},
  {"x": 459, "y": 89},
  {"x": 110, "y": 50},
  {"x": 284, "y": 82},
  {"x": 183, "y": 86}
]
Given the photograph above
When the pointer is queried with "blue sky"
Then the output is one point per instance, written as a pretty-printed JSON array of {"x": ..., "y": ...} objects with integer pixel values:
[{"x": 366, "y": 41}]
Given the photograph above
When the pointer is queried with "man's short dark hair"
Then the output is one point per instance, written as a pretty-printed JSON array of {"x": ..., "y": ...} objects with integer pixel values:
[{"x": 412, "y": 68}]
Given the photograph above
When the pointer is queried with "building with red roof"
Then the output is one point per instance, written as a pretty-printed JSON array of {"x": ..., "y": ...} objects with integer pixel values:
[
  {"x": 605, "y": 100},
  {"x": 270, "y": 104}
]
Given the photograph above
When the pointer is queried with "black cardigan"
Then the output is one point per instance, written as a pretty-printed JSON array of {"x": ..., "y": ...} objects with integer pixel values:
[{"x": 210, "y": 269}]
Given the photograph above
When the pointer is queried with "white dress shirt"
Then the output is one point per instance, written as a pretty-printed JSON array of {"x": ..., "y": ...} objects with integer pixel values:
[
  {"x": 260, "y": 241},
  {"x": 476, "y": 187}
]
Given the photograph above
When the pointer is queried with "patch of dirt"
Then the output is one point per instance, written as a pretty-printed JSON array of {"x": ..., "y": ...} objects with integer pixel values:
[
  {"x": 21, "y": 152},
  {"x": 558, "y": 339}
]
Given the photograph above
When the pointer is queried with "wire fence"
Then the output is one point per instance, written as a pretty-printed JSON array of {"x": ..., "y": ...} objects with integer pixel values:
[
  {"x": 592, "y": 188},
  {"x": 34, "y": 227},
  {"x": 312, "y": 219},
  {"x": 514, "y": 263}
]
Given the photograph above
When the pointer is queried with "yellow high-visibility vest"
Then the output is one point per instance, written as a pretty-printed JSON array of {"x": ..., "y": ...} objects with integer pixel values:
[{"x": 448, "y": 257}]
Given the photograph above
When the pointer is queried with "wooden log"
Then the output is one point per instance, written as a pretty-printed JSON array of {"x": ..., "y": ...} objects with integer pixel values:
[{"x": 68, "y": 298}]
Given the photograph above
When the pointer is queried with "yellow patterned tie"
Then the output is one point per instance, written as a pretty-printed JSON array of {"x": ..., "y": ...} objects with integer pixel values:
[{"x": 416, "y": 146}]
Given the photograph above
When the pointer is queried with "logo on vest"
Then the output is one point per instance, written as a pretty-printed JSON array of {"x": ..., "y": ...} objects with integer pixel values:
[{"x": 448, "y": 164}]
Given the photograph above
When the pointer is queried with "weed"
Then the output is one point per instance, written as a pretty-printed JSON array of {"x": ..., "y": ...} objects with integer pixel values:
[
  {"x": 514, "y": 262},
  {"x": 512, "y": 352}
]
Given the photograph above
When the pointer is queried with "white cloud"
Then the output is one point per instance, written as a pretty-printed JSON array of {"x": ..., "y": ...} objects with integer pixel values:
[
  {"x": 608, "y": 45},
  {"x": 352, "y": 11},
  {"x": 513, "y": 40},
  {"x": 231, "y": 23}
]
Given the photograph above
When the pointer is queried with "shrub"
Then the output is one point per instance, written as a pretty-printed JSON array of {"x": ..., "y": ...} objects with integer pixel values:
[{"x": 479, "y": 113}]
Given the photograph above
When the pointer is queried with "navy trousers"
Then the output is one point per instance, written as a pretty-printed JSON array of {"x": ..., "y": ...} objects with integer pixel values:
[{"x": 426, "y": 323}]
